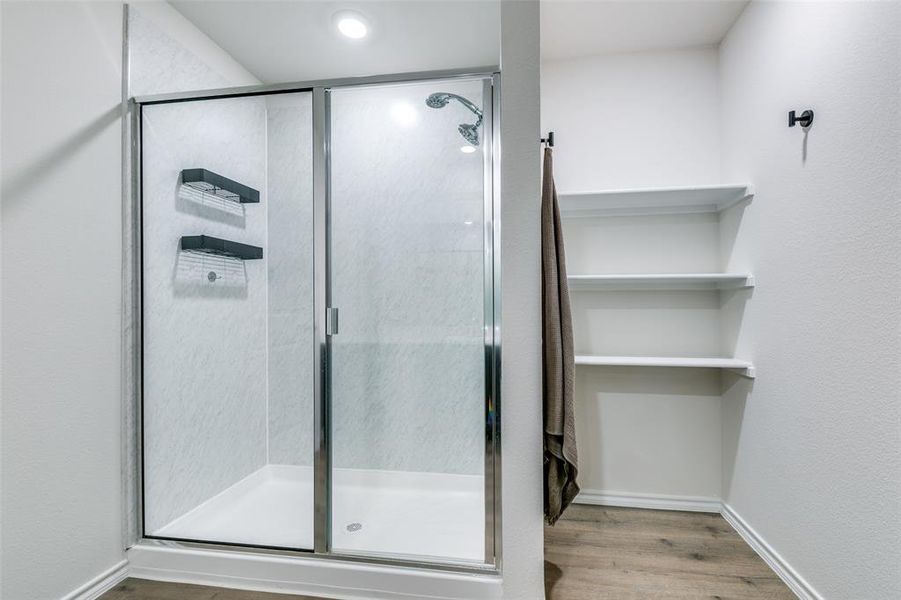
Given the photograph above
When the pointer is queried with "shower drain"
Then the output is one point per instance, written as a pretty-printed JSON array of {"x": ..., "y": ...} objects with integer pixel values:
[{"x": 352, "y": 527}]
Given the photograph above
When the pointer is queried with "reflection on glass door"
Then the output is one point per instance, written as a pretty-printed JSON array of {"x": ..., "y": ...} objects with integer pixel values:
[
  {"x": 227, "y": 298},
  {"x": 407, "y": 275}
]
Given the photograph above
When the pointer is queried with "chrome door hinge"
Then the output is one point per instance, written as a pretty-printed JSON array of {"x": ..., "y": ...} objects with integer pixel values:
[{"x": 331, "y": 321}]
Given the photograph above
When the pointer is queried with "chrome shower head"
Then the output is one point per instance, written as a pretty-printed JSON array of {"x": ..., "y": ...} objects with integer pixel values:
[
  {"x": 438, "y": 100},
  {"x": 470, "y": 132}
]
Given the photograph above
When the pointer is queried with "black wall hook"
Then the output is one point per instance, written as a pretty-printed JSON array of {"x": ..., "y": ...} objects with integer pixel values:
[
  {"x": 805, "y": 120},
  {"x": 549, "y": 140}
]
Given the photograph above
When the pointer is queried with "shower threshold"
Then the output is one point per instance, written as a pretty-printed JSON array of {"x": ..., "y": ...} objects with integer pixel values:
[{"x": 375, "y": 512}]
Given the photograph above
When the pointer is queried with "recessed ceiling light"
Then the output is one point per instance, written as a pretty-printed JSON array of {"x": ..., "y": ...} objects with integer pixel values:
[
  {"x": 351, "y": 25},
  {"x": 467, "y": 149}
]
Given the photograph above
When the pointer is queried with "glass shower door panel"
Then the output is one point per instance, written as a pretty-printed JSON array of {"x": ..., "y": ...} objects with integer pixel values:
[
  {"x": 407, "y": 275},
  {"x": 227, "y": 411}
]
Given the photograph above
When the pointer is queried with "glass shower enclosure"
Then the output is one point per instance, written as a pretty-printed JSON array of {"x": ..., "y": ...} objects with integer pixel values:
[{"x": 319, "y": 353}]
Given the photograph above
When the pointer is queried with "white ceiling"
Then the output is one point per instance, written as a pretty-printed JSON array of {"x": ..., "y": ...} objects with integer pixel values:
[
  {"x": 296, "y": 40},
  {"x": 281, "y": 41},
  {"x": 573, "y": 28}
]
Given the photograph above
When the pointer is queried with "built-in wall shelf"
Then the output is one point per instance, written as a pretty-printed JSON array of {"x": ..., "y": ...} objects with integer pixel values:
[
  {"x": 661, "y": 281},
  {"x": 207, "y": 182},
  {"x": 695, "y": 199},
  {"x": 206, "y": 244},
  {"x": 742, "y": 366}
]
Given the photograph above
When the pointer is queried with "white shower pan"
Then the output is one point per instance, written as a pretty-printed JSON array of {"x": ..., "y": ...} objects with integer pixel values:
[{"x": 384, "y": 513}]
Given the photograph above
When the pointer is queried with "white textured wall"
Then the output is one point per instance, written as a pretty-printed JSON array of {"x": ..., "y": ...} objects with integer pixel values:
[
  {"x": 642, "y": 119},
  {"x": 637, "y": 120},
  {"x": 61, "y": 194},
  {"x": 813, "y": 456},
  {"x": 523, "y": 533},
  {"x": 649, "y": 431}
]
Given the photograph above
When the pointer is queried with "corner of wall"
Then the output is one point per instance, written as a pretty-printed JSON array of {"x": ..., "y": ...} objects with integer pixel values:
[
  {"x": 522, "y": 539},
  {"x": 813, "y": 452}
]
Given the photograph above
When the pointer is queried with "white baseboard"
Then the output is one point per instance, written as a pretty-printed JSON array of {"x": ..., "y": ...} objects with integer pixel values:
[
  {"x": 786, "y": 573},
  {"x": 100, "y": 584},
  {"x": 308, "y": 576},
  {"x": 655, "y": 501}
]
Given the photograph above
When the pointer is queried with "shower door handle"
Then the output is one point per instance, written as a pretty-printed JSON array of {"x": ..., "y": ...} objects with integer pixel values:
[{"x": 331, "y": 321}]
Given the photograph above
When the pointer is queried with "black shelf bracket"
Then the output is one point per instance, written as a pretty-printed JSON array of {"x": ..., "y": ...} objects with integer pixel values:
[
  {"x": 206, "y": 244},
  {"x": 213, "y": 183}
]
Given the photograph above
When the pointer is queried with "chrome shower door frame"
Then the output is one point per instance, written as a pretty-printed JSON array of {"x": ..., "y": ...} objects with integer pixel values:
[{"x": 322, "y": 472}]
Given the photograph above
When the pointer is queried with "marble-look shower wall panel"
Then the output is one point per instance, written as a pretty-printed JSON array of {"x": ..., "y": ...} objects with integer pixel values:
[
  {"x": 205, "y": 349},
  {"x": 407, "y": 218},
  {"x": 159, "y": 63},
  {"x": 290, "y": 264}
]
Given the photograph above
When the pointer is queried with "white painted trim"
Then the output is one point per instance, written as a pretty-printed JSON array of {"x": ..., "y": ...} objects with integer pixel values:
[
  {"x": 654, "y": 501},
  {"x": 100, "y": 584},
  {"x": 786, "y": 573},
  {"x": 308, "y": 576}
]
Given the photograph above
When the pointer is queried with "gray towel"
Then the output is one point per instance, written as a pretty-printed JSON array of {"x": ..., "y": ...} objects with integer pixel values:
[{"x": 561, "y": 462}]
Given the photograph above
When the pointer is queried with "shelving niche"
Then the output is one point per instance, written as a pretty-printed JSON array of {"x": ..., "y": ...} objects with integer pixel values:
[{"x": 605, "y": 235}]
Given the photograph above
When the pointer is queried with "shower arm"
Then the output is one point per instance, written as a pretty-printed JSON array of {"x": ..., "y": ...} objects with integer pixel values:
[{"x": 472, "y": 107}]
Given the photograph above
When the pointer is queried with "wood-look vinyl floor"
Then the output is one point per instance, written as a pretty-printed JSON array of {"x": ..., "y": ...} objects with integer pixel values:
[
  {"x": 606, "y": 553},
  {"x": 144, "y": 589},
  {"x": 596, "y": 553}
]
